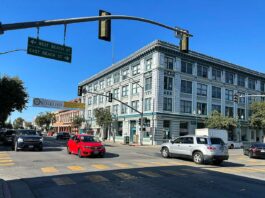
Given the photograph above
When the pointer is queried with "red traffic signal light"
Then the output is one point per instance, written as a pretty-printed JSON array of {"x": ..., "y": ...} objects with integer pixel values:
[{"x": 104, "y": 28}]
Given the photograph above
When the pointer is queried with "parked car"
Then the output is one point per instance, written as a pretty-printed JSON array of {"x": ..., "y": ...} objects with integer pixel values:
[
  {"x": 8, "y": 136},
  {"x": 27, "y": 139},
  {"x": 254, "y": 149},
  {"x": 62, "y": 136},
  {"x": 201, "y": 149},
  {"x": 85, "y": 145}
]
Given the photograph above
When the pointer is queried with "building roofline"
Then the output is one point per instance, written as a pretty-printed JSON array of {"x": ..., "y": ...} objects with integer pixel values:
[{"x": 158, "y": 43}]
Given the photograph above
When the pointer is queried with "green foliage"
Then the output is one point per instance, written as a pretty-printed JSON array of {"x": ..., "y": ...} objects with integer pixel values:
[
  {"x": 257, "y": 119},
  {"x": 103, "y": 116},
  {"x": 18, "y": 123},
  {"x": 77, "y": 121},
  {"x": 8, "y": 125},
  {"x": 217, "y": 121},
  {"x": 13, "y": 96},
  {"x": 44, "y": 120}
]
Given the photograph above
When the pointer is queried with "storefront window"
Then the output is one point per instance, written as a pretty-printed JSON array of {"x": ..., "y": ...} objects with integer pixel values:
[
  {"x": 166, "y": 129},
  {"x": 119, "y": 131}
]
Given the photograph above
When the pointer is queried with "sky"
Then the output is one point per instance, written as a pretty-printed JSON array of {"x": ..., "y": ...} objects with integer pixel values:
[{"x": 229, "y": 30}]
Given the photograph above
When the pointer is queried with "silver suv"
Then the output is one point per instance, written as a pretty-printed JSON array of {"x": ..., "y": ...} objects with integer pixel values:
[{"x": 201, "y": 149}]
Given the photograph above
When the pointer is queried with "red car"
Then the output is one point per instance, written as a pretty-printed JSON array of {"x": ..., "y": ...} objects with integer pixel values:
[{"x": 84, "y": 146}]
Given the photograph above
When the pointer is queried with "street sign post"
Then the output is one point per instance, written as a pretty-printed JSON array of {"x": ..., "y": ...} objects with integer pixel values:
[{"x": 47, "y": 49}]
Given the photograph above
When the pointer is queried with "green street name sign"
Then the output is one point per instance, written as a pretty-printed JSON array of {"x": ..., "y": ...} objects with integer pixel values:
[{"x": 47, "y": 49}]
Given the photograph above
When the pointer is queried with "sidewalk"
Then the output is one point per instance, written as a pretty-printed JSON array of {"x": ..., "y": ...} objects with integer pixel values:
[{"x": 110, "y": 142}]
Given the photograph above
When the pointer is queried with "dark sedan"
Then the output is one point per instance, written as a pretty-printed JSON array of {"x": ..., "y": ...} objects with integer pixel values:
[
  {"x": 27, "y": 139},
  {"x": 255, "y": 150},
  {"x": 8, "y": 136},
  {"x": 63, "y": 136}
]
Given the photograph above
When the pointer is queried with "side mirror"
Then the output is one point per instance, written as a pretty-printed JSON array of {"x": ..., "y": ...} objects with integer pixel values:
[{"x": 171, "y": 141}]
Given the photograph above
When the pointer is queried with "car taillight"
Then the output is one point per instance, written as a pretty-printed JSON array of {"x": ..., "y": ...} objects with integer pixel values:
[{"x": 211, "y": 148}]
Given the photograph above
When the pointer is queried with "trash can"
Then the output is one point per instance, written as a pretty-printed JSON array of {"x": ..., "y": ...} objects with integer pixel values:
[
  {"x": 126, "y": 140},
  {"x": 135, "y": 138}
]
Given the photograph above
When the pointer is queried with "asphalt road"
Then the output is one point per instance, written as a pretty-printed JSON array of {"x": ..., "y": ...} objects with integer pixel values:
[{"x": 125, "y": 171}]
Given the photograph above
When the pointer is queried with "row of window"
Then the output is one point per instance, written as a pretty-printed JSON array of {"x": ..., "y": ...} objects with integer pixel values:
[
  {"x": 125, "y": 109},
  {"x": 186, "y": 87},
  {"x": 120, "y": 75},
  {"x": 202, "y": 71}
]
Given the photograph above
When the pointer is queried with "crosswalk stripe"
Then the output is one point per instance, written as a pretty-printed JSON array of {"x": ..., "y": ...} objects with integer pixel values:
[
  {"x": 100, "y": 166},
  {"x": 6, "y": 160},
  {"x": 160, "y": 163},
  {"x": 175, "y": 173},
  {"x": 49, "y": 170},
  {"x": 124, "y": 176},
  {"x": 143, "y": 164},
  {"x": 60, "y": 181},
  {"x": 193, "y": 171},
  {"x": 149, "y": 173},
  {"x": 96, "y": 178},
  {"x": 8, "y": 164},
  {"x": 122, "y": 165},
  {"x": 76, "y": 168}
]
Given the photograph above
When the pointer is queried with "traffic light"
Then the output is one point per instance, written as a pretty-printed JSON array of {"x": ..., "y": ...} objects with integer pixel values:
[
  {"x": 104, "y": 28},
  {"x": 110, "y": 97},
  {"x": 79, "y": 93},
  {"x": 184, "y": 43},
  {"x": 235, "y": 98}
]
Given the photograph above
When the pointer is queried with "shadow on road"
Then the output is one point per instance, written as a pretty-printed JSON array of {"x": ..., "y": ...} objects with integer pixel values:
[{"x": 165, "y": 181}]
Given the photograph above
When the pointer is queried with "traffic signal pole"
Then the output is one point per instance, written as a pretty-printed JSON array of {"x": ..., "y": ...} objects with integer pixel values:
[{"x": 44, "y": 23}]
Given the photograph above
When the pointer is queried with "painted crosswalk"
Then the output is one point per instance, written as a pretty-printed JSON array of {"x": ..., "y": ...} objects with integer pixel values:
[{"x": 5, "y": 160}]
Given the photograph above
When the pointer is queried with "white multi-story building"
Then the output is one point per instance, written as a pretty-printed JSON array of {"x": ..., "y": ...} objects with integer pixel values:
[{"x": 180, "y": 91}]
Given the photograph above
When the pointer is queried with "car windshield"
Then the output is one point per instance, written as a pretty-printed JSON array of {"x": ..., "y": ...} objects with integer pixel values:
[
  {"x": 27, "y": 132},
  {"x": 259, "y": 145},
  {"x": 217, "y": 141},
  {"x": 87, "y": 139}
]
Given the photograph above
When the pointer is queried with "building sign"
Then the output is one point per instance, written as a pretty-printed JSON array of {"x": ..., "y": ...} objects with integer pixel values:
[
  {"x": 47, "y": 49},
  {"x": 74, "y": 105},
  {"x": 41, "y": 102}
]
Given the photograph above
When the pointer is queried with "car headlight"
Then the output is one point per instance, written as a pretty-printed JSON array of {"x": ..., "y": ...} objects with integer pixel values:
[
  {"x": 88, "y": 147},
  {"x": 41, "y": 140},
  {"x": 19, "y": 140}
]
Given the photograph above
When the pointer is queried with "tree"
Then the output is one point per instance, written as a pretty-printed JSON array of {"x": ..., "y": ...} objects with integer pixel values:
[
  {"x": 18, "y": 123},
  {"x": 77, "y": 121},
  {"x": 44, "y": 120},
  {"x": 28, "y": 125},
  {"x": 257, "y": 119},
  {"x": 8, "y": 125},
  {"x": 217, "y": 121},
  {"x": 13, "y": 96},
  {"x": 103, "y": 119}
]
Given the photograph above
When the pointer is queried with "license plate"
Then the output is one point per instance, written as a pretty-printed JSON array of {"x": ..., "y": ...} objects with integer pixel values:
[
  {"x": 31, "y": 146},
  {"x": 263, "y": 151},
  {"x": 95, "y": 152}
]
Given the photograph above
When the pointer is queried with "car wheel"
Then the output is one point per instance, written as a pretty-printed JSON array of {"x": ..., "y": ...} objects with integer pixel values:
[
  {"x": 250, "y": 154},
  {"x": 232, "y": 146},
  {"x": 217, "y": 162},
  {"x": 68, "y": 150},
  {"x": 198, "y": 157},
  {"x": 79, "y": 153},
  {"x": 165, "y": 152}
]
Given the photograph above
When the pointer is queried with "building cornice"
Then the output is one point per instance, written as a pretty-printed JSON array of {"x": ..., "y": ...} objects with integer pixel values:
[{"x": 171, "y": 49}]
